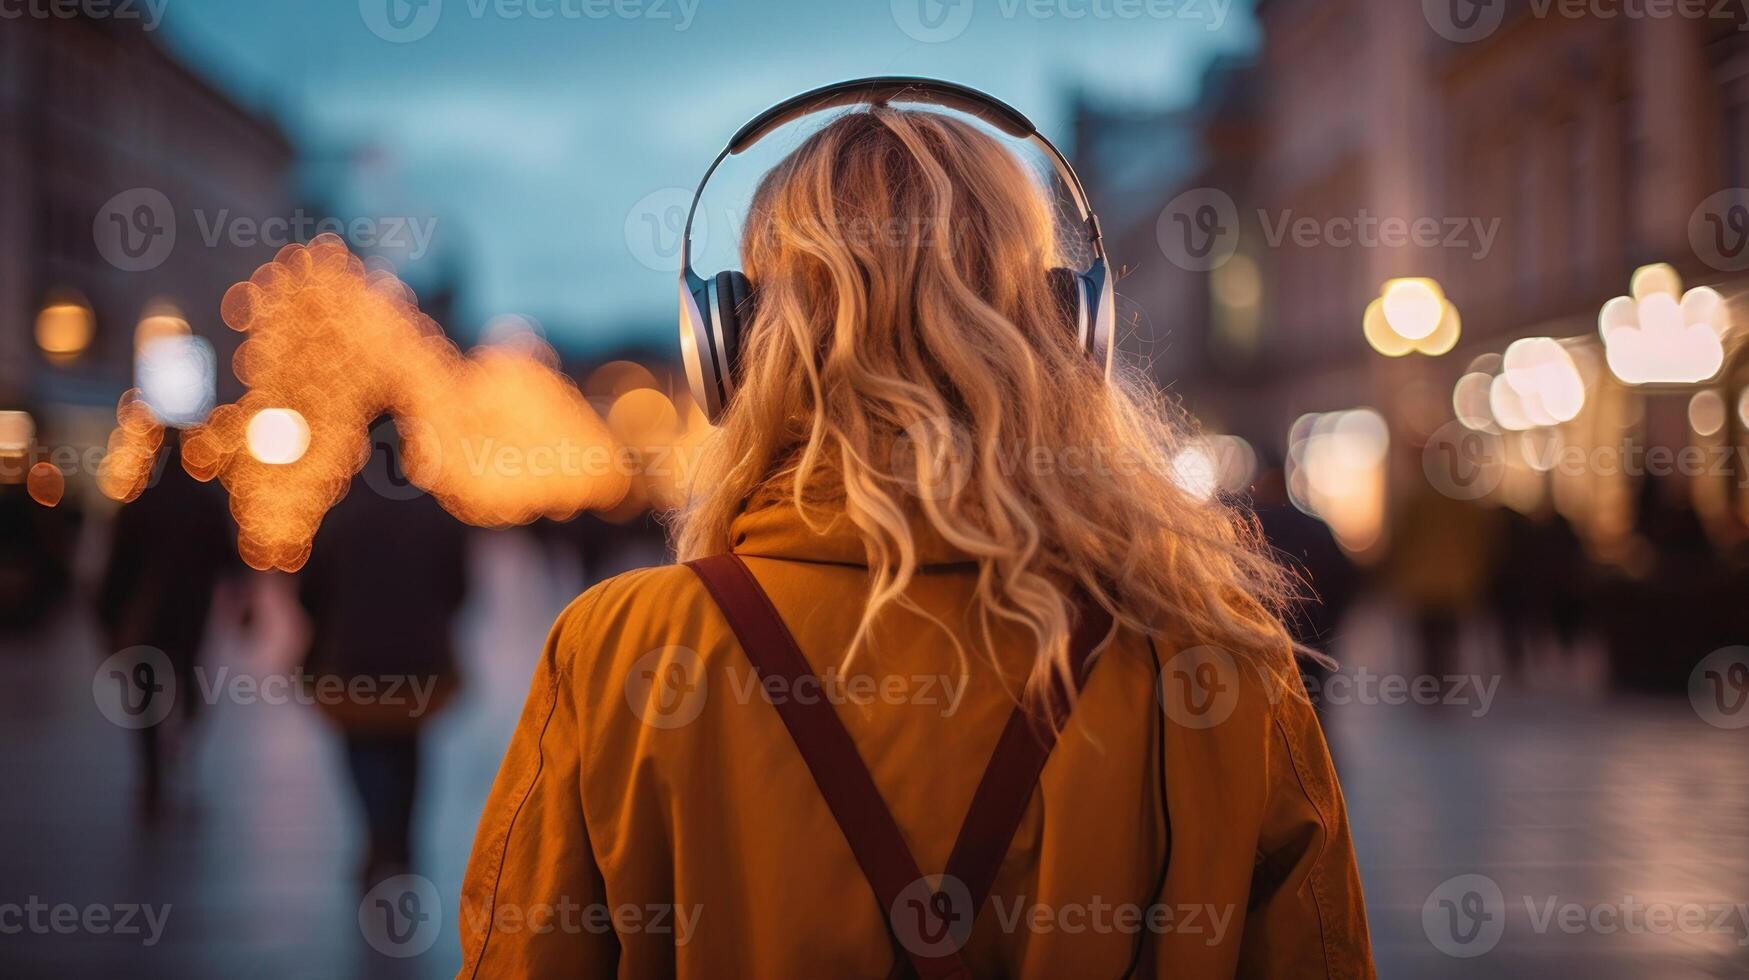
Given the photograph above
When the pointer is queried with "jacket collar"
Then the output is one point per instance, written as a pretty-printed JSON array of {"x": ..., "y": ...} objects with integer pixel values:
[{"x": 771, "y": 526}]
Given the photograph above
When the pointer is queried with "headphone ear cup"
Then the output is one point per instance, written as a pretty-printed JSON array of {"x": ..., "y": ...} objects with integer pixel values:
[{"x": 733, "y": 312}]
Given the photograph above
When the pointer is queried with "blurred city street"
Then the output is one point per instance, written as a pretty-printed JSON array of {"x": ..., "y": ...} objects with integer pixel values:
[
  {"x": 1568, "y": 798},
  {"x": 258, "y": 853},
  {"x": 338, "y": 349}
]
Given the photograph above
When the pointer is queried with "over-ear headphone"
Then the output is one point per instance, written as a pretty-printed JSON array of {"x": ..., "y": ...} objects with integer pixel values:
[{"x": 715, "y": 310}]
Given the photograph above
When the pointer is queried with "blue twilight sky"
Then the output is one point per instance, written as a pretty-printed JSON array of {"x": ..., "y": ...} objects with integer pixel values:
[{"x": 553, "y": 141}]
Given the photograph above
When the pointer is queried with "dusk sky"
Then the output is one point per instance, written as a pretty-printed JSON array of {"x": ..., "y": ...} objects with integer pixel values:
[{"x": 553, "y": 151}]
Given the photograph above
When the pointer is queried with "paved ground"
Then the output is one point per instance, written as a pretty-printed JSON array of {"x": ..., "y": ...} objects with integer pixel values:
[{"x": 1572, "y": 809}]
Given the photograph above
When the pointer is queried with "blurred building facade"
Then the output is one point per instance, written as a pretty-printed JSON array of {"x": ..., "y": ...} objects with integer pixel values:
[
  {"x": 1563, "y": 152},
  {"x": 93, "y": 108}
]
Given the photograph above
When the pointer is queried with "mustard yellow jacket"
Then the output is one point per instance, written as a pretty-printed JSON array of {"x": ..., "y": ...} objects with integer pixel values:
[{"x": 653, "y": 817}]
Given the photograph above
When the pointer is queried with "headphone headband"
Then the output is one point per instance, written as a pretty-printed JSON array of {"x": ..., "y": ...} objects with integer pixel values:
[
  {"x": 884, "y": 89},
  {"x": 898, "y": 88},
  {"x": 712, "y": 310}
]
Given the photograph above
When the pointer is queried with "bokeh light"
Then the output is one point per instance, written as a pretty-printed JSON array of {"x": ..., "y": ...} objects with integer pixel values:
[
  {"x": 64, "y": 328},
  {"x": 1214, "y": 464},
  {"x": 1659, "y": 335},
  {"x": 498, "y": 437},
  {"x": 1706, "y": 412},
  {"x": 133, "y": 448},
  {"x": 1539, "y": 384},
  {"x": 161, "y": 319},
  {"x": 1336, "y": 472},
  {"x": 46, "y": 484},
  {"x": 1469, "y": 401},
  {"x": 178, "y": 378},
  {"x": 1411, "y": 316},
  {"x": 17, "y": 431},
  {"x": 278, "y": 436},
  {"x": 1412, "y": 307}
]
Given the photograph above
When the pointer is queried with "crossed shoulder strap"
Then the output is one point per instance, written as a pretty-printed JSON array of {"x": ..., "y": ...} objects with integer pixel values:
[{"x": 928, "y": 917}]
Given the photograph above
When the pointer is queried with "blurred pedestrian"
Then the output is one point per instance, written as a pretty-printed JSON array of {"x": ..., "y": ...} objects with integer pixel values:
[
  {"x": 387, "y": 573},
  {"x": 37, "y": 540},
  {"x": 1441, "y": 552},
  {"x": 1539, "y": 583},
  {"x": 1308, "y": 548},
  {"x": 1327, "y": 577},
  {"x": 170, "y": 550}
]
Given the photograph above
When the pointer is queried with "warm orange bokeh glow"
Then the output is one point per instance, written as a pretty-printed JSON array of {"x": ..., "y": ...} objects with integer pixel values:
[
  {"x": 499, "y": 437},
  {"x": 277, "y": 436},
  {"x": 160, "y": 319},
  {"x": 64, "y": 328},
  {"x": 46, "y": 484},
  {"x": 133, "y": 447}
]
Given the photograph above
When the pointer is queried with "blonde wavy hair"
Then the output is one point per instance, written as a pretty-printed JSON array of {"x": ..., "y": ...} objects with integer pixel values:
[{"x": 908, "y": 358}]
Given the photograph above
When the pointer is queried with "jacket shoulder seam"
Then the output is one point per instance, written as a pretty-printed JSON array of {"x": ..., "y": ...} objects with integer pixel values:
[
  {"x": 1315, "y": 877},
  {"x": 501, "y": 846}
]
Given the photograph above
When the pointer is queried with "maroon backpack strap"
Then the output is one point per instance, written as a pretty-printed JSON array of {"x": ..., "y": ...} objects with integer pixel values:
[
  {"x": 943, "y": 909},
  {"x": 1012, "y": 774},
  {"x": 829, "y": 751}
]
